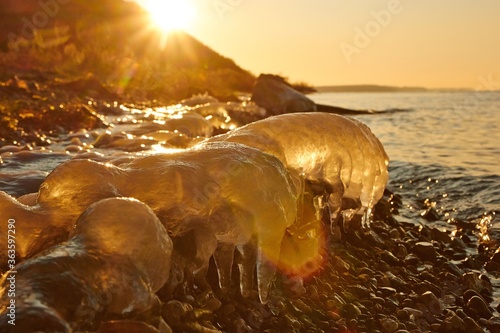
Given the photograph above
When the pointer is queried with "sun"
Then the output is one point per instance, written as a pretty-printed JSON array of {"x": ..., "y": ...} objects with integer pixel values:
[{"x": 170, "y": 15}]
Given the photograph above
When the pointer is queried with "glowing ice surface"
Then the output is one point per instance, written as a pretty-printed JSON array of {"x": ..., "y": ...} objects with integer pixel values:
[
  {"x": 117, "y": 258},
  {"x": 230, "y": 195},
  {"x": 336, "y": 150}
]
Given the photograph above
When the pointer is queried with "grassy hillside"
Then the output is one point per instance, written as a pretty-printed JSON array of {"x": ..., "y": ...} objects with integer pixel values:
[{"x": 113, "y": 41}]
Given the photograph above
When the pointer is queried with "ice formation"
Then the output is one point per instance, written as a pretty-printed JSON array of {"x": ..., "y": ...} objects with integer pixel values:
[
  {"x": 339, "y": 152},
  {"x": 118, "y": 256},
  {"x": 229, "y": 195}
]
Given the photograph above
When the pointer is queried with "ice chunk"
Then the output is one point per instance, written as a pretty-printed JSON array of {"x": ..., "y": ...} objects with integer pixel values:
[
  {"x": 217, "y": 181},
  {"x": 118, "y": 256},
  {"x": 224, "y": 191},
  {"x": 324, "y": 147},
  {"x": 189, "y": 123}
]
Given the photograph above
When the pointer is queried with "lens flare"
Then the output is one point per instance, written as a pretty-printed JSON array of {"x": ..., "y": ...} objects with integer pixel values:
[{"x": 169, "y": 15}]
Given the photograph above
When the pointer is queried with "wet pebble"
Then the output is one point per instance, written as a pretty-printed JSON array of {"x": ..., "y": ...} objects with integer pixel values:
[
  {"x": 130, "y": 326},
  {"x": 350, "y": 311},
  {"x": 425, "y": 251},
  {"x": 174, "y": 311},
  {"x": 432, "y": 302},
  {"x": 472, "y": 326},
  {"x": 477, "y": 305},
  {"x": 389, "y": 258},
  {"x": 453, "y": 324},
  {"x": 388, "y": 325},
  {"x": 452, "y": 268},
  {"x": 414, "y": 312},
  {"x": 301, "y": 306}
]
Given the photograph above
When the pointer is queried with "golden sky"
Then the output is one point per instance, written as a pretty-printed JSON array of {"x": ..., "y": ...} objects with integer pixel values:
[{"x": 429, "y": 43}]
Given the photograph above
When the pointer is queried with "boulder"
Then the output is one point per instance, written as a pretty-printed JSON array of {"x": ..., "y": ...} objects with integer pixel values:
[{"x": 276, "y": 96}]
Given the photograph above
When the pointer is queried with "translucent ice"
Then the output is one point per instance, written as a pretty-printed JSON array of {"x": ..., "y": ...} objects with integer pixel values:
[
  {"x": 227, "y": 192},
  {"x": 323, "y": 147},
  {"x": 117, "y": 258}
]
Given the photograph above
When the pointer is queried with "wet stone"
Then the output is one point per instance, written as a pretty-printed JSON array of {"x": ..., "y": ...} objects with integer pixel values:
[
  {"x": 411, "y": 260},
  {"x": 440, "y": 236},
  {"x": 414, "y": 312},
  {"x": 131, "y": 326},
  {"x": 496, "y": 256},
  {"x": 458, "y": 244},
  {"x": 301, "y": 306},
  {"x": 425, "y": 251},
  {"x": 401, "y": 251},
  {"x": 432, "y": 302},
  {"x": 494, "y": 325},
  {"x": 174, "y": 311},
  {"x": 394, "y": 233},
  {"x": 350, "y": 311},
  {"x": 452, "y": 268},
  {"x": 477, "y": 305},
  {"x": 453, "y": 324},
  {"x": 472, "y": 326},
  {"x": 430, "y": 214},
  {"x": 468, "y": 294},
  {"x": 388, "y": 325},
  {"x": 389, "y": 258}
]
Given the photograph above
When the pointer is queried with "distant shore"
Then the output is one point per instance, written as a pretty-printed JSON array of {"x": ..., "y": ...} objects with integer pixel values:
[{"x": 378, "y": 88}]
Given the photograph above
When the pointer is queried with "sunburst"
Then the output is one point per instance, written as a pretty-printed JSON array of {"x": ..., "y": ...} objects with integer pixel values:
[{"x": 169, "y": 15}]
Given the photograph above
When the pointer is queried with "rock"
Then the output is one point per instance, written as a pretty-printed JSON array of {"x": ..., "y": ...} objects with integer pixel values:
[
  {"x": 494, "y": 325},
  {"x": 394, "y": 233},
  {"x": 340, "y": 265},
  {"x": 208, "y": 301},
  {"x": 411, "y": 259},
  {"x": 430, "y": 214},
  {"x": 496, "y": 256},
  {"x": 301, "y": 306},
  {"x": 388, "y": 325},
  {"x": 414, "y": 312},
  {"x": 333, "y": 315},
  {"x": 473, "y": 281},
  {"x": 174, "y": 311},
  {"x": 477, "y": 305},
  {"x": 468, "y": 294},
  {"x": 389, "y": 258},
  {"x": 130, "y": 326},
  {"x": 241, "y": 326},
  {"x": 350, "y": 311},
  {"x": 440, "y": 236},
  {"x": 453, "y": 269},
  {"x": 401, "y": 251},
  {"x": 273, "y": 94},
  {"x": 374, "y": 239},
  {"x": 359, "y": 291},
  {"x": 472, "y": 326},
  {"x": 458, "y": 244},
  {"x": 432, "y": 302},
  {"x": 425, "y": 251},
  {"x": 453, "y": 324}
]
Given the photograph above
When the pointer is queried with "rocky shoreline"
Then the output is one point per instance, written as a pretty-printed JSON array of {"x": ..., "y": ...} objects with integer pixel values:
[{"x": 392, "y": 278}]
